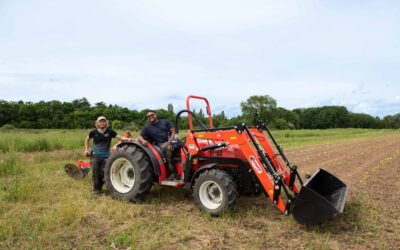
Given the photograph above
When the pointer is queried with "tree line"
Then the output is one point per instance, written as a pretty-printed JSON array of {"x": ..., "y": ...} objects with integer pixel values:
[{"x": 255, "y": 110}]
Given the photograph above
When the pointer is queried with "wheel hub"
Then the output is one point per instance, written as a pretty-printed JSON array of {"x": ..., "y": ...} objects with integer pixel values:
[
  {"x": 211, "y": 194},
  {"x": 122, "y": 175}
]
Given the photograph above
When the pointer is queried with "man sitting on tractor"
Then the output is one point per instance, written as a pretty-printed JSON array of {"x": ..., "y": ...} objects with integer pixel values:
[
  {"x": 102, "y": 137},
  {"x": 160, "y": 133}
]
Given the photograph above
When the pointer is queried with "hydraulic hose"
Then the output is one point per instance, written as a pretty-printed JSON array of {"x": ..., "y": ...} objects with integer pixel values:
[{"x": 178, "y": 116}]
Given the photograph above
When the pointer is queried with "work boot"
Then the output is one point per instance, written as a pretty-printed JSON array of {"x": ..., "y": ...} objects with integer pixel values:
[{"x": 96, "y": 192}]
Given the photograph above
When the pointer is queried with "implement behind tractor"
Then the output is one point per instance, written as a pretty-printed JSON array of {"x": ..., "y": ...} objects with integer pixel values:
[{"x": 221, "y": 163}]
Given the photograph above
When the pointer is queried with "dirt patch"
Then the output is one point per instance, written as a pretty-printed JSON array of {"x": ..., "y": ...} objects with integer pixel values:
[
  {"x": 347, "y": 160},
  {"x": 371, "y": 169}
]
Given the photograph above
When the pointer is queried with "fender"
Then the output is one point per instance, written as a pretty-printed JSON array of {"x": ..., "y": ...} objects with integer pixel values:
[
  {"x": 148, "y": 152},
  {"x": 198, "y": 172}
]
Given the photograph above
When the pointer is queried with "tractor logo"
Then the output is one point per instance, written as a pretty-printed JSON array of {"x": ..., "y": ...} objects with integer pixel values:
[{"x": 255, "y": 164}]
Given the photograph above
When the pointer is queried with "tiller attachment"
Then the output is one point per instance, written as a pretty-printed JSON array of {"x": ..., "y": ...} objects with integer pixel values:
[
  {"x": 321, "y": 197},
  {"x": 78, "y": 171}
]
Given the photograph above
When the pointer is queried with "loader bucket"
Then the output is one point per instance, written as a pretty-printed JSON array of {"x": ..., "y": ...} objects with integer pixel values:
[
  {"x": 75, "y": 171},
  {"x": 322, "y": 196}
]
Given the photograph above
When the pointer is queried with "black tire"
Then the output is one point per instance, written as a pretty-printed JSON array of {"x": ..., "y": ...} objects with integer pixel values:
[
  {"x": 128, "y": 164},
  {"x": 215, "y": 183}
]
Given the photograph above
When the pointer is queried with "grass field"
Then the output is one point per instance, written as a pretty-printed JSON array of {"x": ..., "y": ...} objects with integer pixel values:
[
  {"x": 21, "y": 140},
  {"x": 40, "y": 207}
]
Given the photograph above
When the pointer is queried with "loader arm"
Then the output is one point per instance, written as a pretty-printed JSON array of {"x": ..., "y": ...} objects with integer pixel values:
[{"x": 277, "y": 158}]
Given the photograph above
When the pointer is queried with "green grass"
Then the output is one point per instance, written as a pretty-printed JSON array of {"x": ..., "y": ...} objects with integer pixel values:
[
  {"x": 22, "y": 140},
  {"x": 40, "y": 140},
  {"x": 40, "y": 207},
  {"x": 295, "y": 138}
]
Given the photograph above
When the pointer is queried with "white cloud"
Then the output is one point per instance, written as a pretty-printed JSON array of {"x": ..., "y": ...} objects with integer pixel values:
[
  {"x": 363, "y": 107},
  {"x": 149, "y": 53},
  {"x": 208, "y": 17}
]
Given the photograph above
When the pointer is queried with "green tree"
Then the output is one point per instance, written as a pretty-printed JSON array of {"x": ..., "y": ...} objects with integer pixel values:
[
  {"x": 82, "y": 103},
  {"x": 170, "y": 108},
  {"x": 391, "y": 121},
  {"x": 219, "y": 120},
  {"x": 116, "y": 124},
  {"x": 259, "y": 109},
  {"x": 291, "y": 118},
  {"x": 256, "y": 109}
]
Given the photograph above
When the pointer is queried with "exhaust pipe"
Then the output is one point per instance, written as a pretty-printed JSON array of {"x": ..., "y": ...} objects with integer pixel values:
[{"x": 322, "y": 196}]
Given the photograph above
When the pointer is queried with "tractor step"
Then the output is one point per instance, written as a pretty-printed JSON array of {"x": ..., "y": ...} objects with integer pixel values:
[{"x": 175, "y": 183}]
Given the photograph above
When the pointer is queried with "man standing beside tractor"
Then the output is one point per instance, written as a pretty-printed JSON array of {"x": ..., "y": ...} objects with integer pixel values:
[
  {"x": 160, "y": 133},
  {"x": 102, "y": 137}
]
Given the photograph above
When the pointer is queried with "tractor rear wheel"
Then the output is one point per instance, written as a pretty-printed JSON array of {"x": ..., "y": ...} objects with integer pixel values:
[
  {"x": 128, "y": 174},
  {"x": 214, "y": 192}
]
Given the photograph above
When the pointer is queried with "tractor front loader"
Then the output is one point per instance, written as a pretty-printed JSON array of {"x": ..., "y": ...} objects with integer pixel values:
[
  {"x": 218, "y": 164},
  {"x": 318, "y": 199}
]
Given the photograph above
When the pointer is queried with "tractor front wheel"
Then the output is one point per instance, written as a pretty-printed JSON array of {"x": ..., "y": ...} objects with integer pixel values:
[{"x": 214, "y": 192}]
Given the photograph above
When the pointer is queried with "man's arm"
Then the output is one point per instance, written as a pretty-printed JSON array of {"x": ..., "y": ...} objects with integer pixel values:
[
  {"x": 144, "y": 133},
  {"x": 123, "y": 138},
  {"x": 119, "y": 137},
  {"x": 142, "y": 140},
  {"x": 171, "y": 137},
  {"x": 87, "y": 141},
  {"x": 172, "y": 134}
]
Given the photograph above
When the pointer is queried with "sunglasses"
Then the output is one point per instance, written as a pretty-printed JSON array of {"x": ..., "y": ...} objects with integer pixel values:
[{"x": 150, "y": 115}]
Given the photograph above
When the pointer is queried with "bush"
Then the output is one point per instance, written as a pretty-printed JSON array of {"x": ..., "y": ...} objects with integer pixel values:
[
  {"x": 116, "y": 124},
  {"x": 8, "y": 126},
  {"x": 282, "y": 124},
  {"x": 131, "y": 127}
]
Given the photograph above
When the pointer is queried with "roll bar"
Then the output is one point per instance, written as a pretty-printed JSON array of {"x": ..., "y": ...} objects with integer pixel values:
[{"x": 208, "y": 109}]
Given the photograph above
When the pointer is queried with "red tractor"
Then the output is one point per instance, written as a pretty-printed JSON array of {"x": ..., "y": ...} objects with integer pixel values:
[{"x": 218, "y": 164}]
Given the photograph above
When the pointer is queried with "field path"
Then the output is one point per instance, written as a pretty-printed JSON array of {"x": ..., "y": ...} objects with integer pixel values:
[
  {"x": 348, "y": 160},
  {"x": 371, "y": 170}
]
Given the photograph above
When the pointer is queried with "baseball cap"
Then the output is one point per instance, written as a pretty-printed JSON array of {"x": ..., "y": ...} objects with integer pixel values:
[{"x": 101, "y": 118}]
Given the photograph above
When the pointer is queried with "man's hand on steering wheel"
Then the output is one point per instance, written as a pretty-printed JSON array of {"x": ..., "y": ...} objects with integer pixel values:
[{"x": 165, "y": 145}]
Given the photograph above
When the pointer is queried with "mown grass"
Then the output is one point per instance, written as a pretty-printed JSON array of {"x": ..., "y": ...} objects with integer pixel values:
[{"x": 40, "y": 207}]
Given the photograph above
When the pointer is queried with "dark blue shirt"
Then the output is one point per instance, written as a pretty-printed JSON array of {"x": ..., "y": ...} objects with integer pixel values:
[
  {"x": 102, "y": 142},
  {"x": 157, "y": 133}
]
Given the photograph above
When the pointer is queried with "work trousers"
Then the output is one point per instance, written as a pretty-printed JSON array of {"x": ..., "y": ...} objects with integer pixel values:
[{"x": 98, "y": 165}]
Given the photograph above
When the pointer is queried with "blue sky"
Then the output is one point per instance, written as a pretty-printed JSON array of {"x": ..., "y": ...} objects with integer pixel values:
[{"x": 147, "y": 53}]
